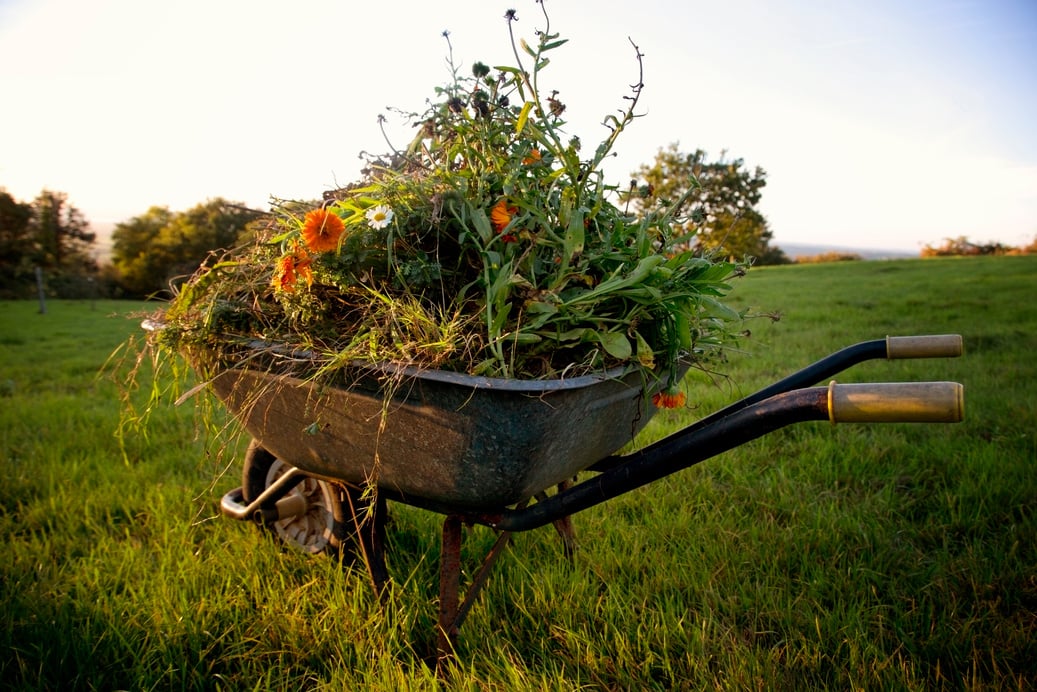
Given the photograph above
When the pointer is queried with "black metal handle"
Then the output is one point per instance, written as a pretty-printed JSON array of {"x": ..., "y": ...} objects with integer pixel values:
[
  {"x": 946, "y": 345},
  {"x": 928, "y": 402},
  {"x": 680, "y": 450}
]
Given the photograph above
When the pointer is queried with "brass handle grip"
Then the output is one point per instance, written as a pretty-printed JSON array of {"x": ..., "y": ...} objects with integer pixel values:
[
  {"x": 896, "y": 402},
  {"x": 932, "y": 346}
]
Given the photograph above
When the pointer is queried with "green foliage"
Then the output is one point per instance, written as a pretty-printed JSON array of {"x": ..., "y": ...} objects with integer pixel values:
[
  {"x": 153, "y": 249},
  {"x": 716, "y": 203},
  {"x": 135, "y": 252},
  {"x": 493, "y": 222}
]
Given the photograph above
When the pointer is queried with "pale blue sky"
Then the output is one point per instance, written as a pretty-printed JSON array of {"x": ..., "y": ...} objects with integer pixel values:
[{"x": 885, "y": 124}]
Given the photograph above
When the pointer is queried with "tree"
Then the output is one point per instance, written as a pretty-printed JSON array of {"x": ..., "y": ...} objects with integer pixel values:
[
  {"x": 715, "y": 201},
  {"x": 15, "y": 243},
  {"x": 62, "y": 236},
  {"x": 151, "y": 250},
  {"x": 136, "y": 257}
]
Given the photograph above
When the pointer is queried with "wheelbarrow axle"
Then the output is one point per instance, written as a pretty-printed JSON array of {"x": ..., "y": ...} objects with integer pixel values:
[{"x": 276, "y": 502}]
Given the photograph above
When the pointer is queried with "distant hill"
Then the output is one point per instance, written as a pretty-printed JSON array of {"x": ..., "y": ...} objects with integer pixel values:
[{"x": 794, "y": 250}]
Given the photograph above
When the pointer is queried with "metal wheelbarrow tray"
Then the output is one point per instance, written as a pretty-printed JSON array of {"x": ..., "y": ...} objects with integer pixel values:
[
  {"x": 481, "y": 451},
  {"x": 442, "y": 438}
]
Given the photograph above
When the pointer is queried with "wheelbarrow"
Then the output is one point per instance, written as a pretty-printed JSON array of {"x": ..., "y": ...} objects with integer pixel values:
[{"x": 323, "y": 463}]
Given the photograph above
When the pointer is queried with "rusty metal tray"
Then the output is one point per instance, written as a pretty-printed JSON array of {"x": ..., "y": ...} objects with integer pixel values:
[{"x": 466, "y": 442}]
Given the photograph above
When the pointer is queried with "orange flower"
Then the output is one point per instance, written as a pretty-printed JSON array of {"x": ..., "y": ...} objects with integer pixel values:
[
  {"x": 666, "y": 398},
  {"x": 302, "y": 266},
  {"x": 291, "y": 268},
  {"x": 284, "y": 277},
  {"x": 532, "y": 157},
  {"x": 321, "y": 230},
  {"x": 500, "y": 215}
]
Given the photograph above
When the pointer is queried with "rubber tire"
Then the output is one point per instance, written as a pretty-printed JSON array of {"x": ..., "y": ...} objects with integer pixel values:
[{"x": 322, "y": 530}]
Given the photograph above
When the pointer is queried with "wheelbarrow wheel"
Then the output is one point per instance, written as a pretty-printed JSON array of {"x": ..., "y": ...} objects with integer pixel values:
[{"x": 320, "y": 528}]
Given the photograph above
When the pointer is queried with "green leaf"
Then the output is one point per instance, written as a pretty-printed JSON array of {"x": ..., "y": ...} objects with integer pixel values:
[
  {"x": 553, "y": 44},
  {"x": 682, "y": 326},
  {"x": 523, "y": 117},
  {"x": 498, "y": 292},
  {"x": 519, "y": 338},
  {"x": 578, "y": 334},
  {"x": 574, "y": 236},
  {"x": 499, "y": 319},
  {"x": 616, "y": 344},
  {"x": 645, "y": 356},
  {"x": 482, "y": 225},
  {"x": 615, "y": 282},
  {"x": 539, "y": 307},
  {"x": 714, "y": 308}
]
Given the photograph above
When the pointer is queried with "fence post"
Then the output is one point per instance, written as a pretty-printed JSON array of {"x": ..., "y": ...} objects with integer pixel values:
[{"x": 40, "y": 292}]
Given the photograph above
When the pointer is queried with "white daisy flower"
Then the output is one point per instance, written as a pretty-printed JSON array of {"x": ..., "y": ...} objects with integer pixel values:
[{"x": 379, "y": 217}]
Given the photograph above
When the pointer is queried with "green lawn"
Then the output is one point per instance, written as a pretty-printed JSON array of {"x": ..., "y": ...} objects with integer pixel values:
[{"x": 893, "y": 556}]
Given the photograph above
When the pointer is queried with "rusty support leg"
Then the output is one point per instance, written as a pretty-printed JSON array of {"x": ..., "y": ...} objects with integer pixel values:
[
  {"x": 449, "y": 589},
  {"x": 452, "y": 610},
  {"x": 479, "y": 581}
]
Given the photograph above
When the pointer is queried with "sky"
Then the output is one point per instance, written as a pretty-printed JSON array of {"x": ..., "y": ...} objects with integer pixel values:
[{"x": 888, "y": 124}]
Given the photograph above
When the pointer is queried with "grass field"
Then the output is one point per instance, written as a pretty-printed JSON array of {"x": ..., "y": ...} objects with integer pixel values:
[{"x": 842, "y": 557}]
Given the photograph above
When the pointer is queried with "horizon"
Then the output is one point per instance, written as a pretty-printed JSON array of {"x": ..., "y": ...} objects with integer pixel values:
[
  {"x": 880, "y": 126},
  {"x": 102, "y": 247}
]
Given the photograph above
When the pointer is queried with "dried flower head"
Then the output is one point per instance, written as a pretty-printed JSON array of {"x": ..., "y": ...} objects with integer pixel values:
[{"x": 556, "y": 106}]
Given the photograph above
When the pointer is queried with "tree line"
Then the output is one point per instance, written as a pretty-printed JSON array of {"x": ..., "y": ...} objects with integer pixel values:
[
  {"x": 46, "y": 236},
  {"x": 961, "y": 246},
  {"x": 151, "y": 252},
  {"x": 47, "y": 244},
  {"x": 717, "y": 202}
]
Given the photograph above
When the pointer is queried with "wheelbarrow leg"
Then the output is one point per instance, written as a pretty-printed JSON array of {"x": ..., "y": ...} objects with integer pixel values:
[
  {"x": 452, "y": 610},
  {"x": 449, "y": 590},
  {"x": 369, "y": 523}
]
